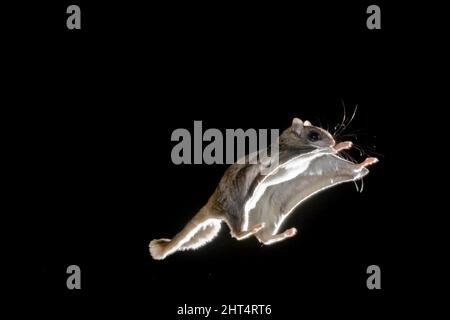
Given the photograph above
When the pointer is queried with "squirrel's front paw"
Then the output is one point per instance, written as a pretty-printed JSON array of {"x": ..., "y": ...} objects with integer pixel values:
[{"x": 290, "y": 232}]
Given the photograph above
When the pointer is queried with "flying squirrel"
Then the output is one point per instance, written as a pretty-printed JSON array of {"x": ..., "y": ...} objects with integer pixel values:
[{"x": 255, "y": 201}]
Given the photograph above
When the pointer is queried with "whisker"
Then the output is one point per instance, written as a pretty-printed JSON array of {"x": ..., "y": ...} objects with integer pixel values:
[
  {"x": 358, "y": 131},
  {"x": 361, "y": 150},
  {"x": 347, "y": 156},
  {"x": 356, "y": 185},
  {"x": 351, "y": 119},
  {"x": 339, "y": 125},
  {"x": 340, "y": 135},
  {"x": 371, "y": 151},
  {"x": 346, "y": 136}
]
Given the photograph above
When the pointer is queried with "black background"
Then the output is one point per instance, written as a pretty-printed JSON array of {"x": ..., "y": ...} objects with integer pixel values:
[{"x": 94, "y": 124}]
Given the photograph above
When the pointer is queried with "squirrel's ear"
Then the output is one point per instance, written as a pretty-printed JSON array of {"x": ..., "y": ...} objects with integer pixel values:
[
  {"x": 297, "y": 125},
  {"x": 307, "y": 123}
]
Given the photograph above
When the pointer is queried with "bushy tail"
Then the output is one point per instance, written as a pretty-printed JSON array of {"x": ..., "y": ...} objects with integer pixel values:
[
  {"x": 158, "y": 248},
  {"x": 203, "y": 236},
  {"x": 199, "y": 231}
]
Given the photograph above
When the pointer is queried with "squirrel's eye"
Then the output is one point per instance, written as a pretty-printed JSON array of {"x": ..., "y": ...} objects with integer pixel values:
[{"x": 313, "y": 136}]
